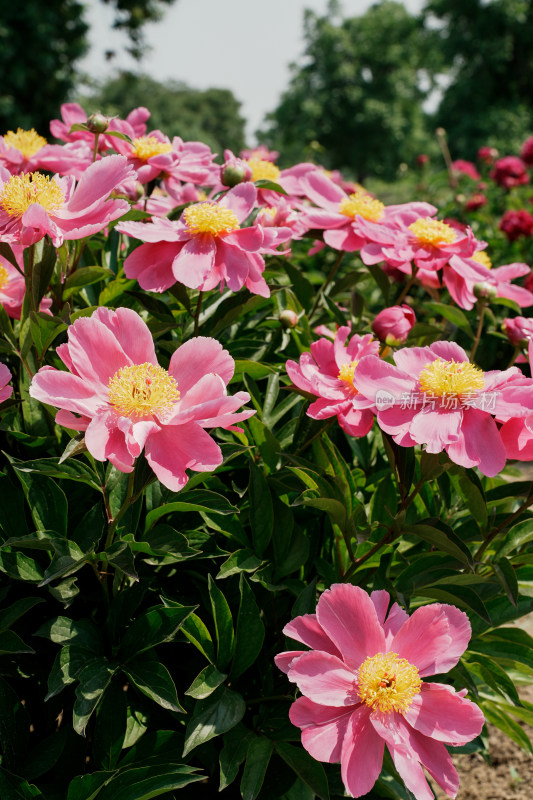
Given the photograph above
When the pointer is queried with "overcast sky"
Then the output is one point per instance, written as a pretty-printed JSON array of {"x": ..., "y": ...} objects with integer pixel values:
[{"x": 242, "y": 45}]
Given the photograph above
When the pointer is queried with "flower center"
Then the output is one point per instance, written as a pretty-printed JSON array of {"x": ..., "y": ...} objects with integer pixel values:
[
  {"x": 362, "y": 204},
  {"x": 21, "y": 191},
  {"x": 27, "y": 142},
  {"x": 147, "y": 146},
  {"x": 346, "y": 373},
  {"x": 263, "y": 170},
  {"x": 210, "y": 218},
  {"x": 4, "y": 277},
  {"x": 388, "y": 683},
  {"x": 432, "y": 231},
  {"x": 456, "y": 378},
  {"x": 142, "y": 389},
  {"x": 482, "y": 258}
]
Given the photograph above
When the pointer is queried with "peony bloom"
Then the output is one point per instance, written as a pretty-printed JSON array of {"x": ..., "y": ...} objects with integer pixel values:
[
  {"x": 476, "y": 201},
  {"x": 487, "y": 155},
  {"x": 73, "y": 114},
  {"x": 19, "y": 150},
  {"x": 13, "y": 286},
  {"x": 462, "y": 167},
  {"x": 526, "y": 153},
  {"x": 392, "y": 325},
  {"x": 5, "y": 376},
  {"x": 519, "y": 330},
  {"x": 434, "y": 396},
  {"x": 33, "y": 205},
  {"x": 206, "y": 247},
  {"x": 509, "y": 171},
  {"x": 125, "y": 402},
  {"x": 516, "y": 223},
  {"x": 467, "y": 279},
  {"x": 362, "y": 688},
  {"x": 327, "y": 372}
]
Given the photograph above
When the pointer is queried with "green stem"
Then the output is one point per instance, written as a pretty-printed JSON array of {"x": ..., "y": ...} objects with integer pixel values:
[
  {"x": 197, "y": 313},
  {"x": 407, "y": 286},
  {"x": 128, "y": 500},
  {"x": 95, "y": 148},
  {"x": 387, "y": 539},
  {"x": 313, "y": 437},
  {"x": 332, "y": 273},
  {"x": 28, "y": 274},
  {"x": 482, "y": 306}
]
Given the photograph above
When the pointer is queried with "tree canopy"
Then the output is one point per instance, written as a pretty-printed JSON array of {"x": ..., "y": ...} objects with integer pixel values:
[{"x": 356, "y": 98}]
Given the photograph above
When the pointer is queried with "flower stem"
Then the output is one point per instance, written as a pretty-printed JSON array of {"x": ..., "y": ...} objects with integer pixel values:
[
  {"x": 482, "y": 306},
  {"x": 507, "y": 521},
  {"x": 332, "y": 273},
  {"x": 128, "y": 500}
]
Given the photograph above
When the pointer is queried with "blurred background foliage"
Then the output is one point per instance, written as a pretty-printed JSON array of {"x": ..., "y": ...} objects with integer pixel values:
[{"x": 365, "y": 95}]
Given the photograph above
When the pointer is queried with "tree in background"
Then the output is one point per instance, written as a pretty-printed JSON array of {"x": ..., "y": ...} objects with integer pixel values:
[
  {"x": 40, "y": 44},
  {"x": 212, "y": 116},
  {"x": 356, "y": 99},
  {"x": 486, "y": 47}
]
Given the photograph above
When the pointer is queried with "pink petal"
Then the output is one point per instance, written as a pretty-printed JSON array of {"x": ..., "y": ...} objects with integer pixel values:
[
  {"x": 198, "y": 357},
  {"x": 104, "y": 440},
  {"x": 436, "y": 428},
  {"x": 433, "y": 638},
  {"x": 131, "y": 332},
  {"x": 241, "y": 200},
  {"x": 348, "y": 616},
  {"x": 306, "y": 629},
  {"x": 195, "y": 260},
  {"x": 372, "y": 375},
  {"x": 151, "y": 266},
  {"x": 66, "y": 391},
  {"x": 323, "y": 728},
  {"x": 482, "y": 442},
  {"x": 177, "y": 448},
  {"x": 443, "y": 715},
  {"x": 98, "y": 181},
  {"x": 362, "y": 753},
  {"x": 324, "y": 679},
  {"x": 411, "y": 772}
]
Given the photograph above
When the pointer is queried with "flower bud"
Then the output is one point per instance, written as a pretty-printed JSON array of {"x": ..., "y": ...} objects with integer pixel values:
[
  {"x": 519, "y": 330},
  {"x": 485, "y": 291},
  {"x": 97, "y": 123},
  {"x": 392, "y": 325},
  {"x": 235, "y": 170},
  {"x": 288, "y": 318}
]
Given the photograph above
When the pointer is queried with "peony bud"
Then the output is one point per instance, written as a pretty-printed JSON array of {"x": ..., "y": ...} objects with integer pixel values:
[
  {"x": 288, "y": 318},
  {"x": 235, "y": 170},
  {"x": 485, "y": 291},
  {"x": 97, "y": 123},
  {"x": 519, "y": 330},
  {"x": 392, "y": 325}
]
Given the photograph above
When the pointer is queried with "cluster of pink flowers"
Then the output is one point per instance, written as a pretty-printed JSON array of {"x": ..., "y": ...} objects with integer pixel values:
[{"x": 362, "y": 688}]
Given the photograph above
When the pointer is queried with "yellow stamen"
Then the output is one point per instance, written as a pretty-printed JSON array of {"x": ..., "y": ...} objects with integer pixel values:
[
  {"x": 4, "y": 277},
  {"x": 147, "y": 146},
  {"x": 263, "y": 170},
  {"x": 346, "y": 373},
  {"x": 388, "y": 683},
  {"x": 142, "y": 389},
  {"x": 210, "y": 218},
  {"x": 27, "y": 142},
  {"x": 362, "y": 204},
  {"x": 451, "y": 378},
  {"x": 432, "y": 231},
  {"x": 21, "y": 191},
  {"x": 482, "y": 258}
]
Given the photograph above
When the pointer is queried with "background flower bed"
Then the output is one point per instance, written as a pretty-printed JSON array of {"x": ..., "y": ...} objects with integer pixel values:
[{"x": 140, "y": 624}]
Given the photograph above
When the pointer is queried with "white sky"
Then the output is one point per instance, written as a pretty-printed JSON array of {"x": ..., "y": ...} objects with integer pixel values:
[{"x": 242, "y": 45}]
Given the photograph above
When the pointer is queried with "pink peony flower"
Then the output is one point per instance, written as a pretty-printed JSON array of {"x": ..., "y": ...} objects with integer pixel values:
[
  {"x": 5, "y": 376},
  {"x": 125, "y": 402},
  {"x": 392, "y": 325},
  {"x": 206, "y": 247},
  {"x": 509, "y": 172},
  {"x": 362, "y": 688},
  {"x": 476, "y": 201},
  {"x": 327, "y": 372},
  {"x": 33, "y": 205},
  {"x": 73, "y": 114},
  {"x": 526, "y": 153},
  {"x": 516, "y": 223},
  {"x": 517, "y": 429},
  {"x": 462, "y": 167},
  {"x": 467, "y": 278},
  {"x": 13, "y": 286},
  {"x": 487, "y": 155},
  {"x": 345, "y": 218},
  {"x": 19, "y": 150},
  {"x": 519, "y": 330},
  {"x": 434, "y": 396}
]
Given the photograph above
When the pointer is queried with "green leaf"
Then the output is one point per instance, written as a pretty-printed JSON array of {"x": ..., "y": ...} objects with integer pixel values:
[
  {"x": 153, "y": 679},
  {"x": 72, "y": 470},
  {"x": 195, "y": 500},
  {"x": 47, "y": 502},
  {"x": 14, "y": 788},
  {"x": 20, "y": 567},
  {"x": 511, "y": 728},
  {"x": 518, "y": 535},
  {"x": 197, "y": 633},
  {"x": 43, "y": 267},
  {"x": 469, "y": 487},
  {"x": 250, "y": 631},
  {"x": 264, "y": 183},
  {"x": 87, "y": 787},
  {"x": 83, "y": 633},
  {"x": 20, "y": 607},
  {"x": 67, "y": 559},
  {"x": 254, "y": 369},
  {"x": 211, "y": 717},
  {"x": 443, "y": 539},
  {"x": 110, "y": 727},
  {"x": 206, "y": 682},
  {"x": 507, "y": 577},
  {"x": 241, "y": 561},
  {"x": 233, "y": 753},
  {"x": 456, "y": 594},
  {"x": 152, "y": 780},
  {"x": 257, "y": 760},
  {"x": 44, "y": 329},
  {"x": 453, "y": 315},
  {"x": 68, "y": 664},
  {"x": 84, "y": 276},
  {"x": 10, "y": 642},
  {"x": 94, "y": 680},
  {"x": 159, "y": 624},
  {"x": 223, "y": 624},
  {"x": 494, "y": 676},
  {"x": 305, "y": 766},
  {"x": 261, "y": 510},
  {"x": 503, "y": 652}
]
